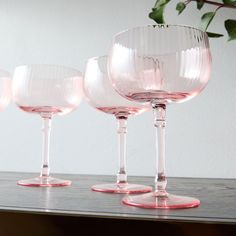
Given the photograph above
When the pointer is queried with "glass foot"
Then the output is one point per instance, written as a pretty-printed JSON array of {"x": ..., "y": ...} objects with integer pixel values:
[
  {"x": 44, "y": 182},
  {"x": 122, "y": 188},
  {"x": 151, "y": 200}
]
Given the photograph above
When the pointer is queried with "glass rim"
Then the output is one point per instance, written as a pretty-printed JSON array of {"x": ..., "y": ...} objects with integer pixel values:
[
  {"x": 96, "y": 58},
  {"x": 56, "y": 65},
  {"x": 155, "y": 25}
]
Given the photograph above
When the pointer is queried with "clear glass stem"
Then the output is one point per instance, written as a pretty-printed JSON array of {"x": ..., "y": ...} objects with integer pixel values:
[
  {"x": 46, "y": 129},
  {"x": 159, "y": 111},
  {"x": 122, "y": 130}
]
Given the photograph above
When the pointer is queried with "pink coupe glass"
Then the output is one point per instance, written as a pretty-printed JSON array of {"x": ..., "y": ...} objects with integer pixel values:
[
  {"x": 101, "y": 95},
  {"x": 160, "y": 64},
  {"x": 5, "y": 89},
  {"x": 46, "y": 90}
]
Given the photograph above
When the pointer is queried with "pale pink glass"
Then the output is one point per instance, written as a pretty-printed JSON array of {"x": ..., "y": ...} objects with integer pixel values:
[
  {"x": 46, "y": 90},
  {"x": 5, "y": 89},
  {"x": 160, "y": 64},
  {"x": 102, "y": 96}
]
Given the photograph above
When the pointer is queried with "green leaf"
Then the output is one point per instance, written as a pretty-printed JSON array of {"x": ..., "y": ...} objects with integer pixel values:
[
  {"x": 229, "y": 2},
  {"x": 180, "y": 7},
  {"x": 160, "y": 3},
  {"x": 230, "y": 26},
  {"x": 206, "y": 20},
  {"x": 157, "y": 13},
  {"x": 200, "y": 4},
  {"x": 214, "y": 35}
]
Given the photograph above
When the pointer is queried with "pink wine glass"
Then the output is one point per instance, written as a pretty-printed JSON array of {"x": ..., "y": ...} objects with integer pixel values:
[
  {"x": 160, "y": 64},
  {"x": 46, "y": 90},
  {"x": 5, "y": 89},
  {"x": 101, "y": 95}
]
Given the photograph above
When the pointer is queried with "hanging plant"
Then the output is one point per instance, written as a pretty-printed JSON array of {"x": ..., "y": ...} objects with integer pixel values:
[{"x": 157, "y": 14}]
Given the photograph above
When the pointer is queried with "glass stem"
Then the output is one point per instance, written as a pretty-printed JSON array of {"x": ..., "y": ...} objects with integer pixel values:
[
  {"x": 46, "y": 129},
  {"x": 159, "y": 111},
  {"x": 122, "y": 130}
]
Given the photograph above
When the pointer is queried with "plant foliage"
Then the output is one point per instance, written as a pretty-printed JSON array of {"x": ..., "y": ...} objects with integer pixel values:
[{"x": 157, "y": 14}]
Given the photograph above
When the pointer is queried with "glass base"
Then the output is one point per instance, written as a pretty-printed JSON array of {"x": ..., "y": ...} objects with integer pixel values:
[
  {"x": 151, "y": 200},
  {"x": 122, "y": 188},
  {"x": 44, "y": 182}
]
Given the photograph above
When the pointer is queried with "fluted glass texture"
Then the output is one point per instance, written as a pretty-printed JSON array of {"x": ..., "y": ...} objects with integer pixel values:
[
  {"x": 5, "y": 89},
  {"x": 160, "y": 64},
  {"x": 47, "y": 88},
  {"x": 100, "y": 94}
]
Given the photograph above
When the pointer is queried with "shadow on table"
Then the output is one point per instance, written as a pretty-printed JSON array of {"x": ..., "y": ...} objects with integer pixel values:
[{"x": 12, "y": 224}]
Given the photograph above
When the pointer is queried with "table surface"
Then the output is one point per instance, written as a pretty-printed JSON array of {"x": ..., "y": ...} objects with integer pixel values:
[{"x": 218, "y": 199}]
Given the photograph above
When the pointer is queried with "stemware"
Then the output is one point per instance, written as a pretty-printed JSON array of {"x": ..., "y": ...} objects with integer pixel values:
[
  {"x": 46, "y": 90},
  {"x": 160, "y": 64},
  {"x": 5, "y": 89},
  {"x": 101, "y": 95}
]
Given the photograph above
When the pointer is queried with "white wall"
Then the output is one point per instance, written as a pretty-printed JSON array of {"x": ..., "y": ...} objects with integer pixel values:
[{"x": 201, "y": 133}]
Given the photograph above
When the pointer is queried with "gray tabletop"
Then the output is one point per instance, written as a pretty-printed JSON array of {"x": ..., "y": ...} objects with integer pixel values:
[{"x": 218, "y": 199}]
